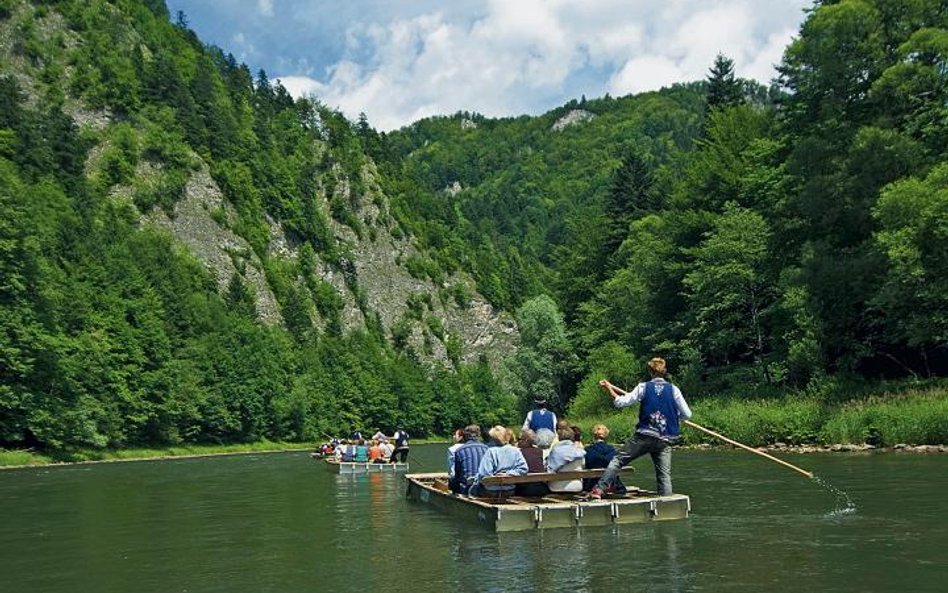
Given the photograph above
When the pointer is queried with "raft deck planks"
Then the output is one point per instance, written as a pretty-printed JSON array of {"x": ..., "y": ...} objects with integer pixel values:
[{"x": 520, "y": 514}]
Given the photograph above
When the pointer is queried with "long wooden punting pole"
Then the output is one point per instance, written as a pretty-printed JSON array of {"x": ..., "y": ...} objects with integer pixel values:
[{"x": 746, "y": 448}]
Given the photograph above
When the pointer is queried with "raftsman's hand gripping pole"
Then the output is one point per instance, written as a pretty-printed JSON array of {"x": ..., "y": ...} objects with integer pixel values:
[{"x": 746, "y": 448}]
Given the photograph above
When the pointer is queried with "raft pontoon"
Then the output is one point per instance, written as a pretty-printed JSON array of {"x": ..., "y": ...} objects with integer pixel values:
[
  {"x": 358, "y": 467},
  {"x": 554, "y": 510}
]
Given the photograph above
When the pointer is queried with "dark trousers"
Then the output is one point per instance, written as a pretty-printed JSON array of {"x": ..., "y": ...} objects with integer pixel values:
[
  {"x": 635, "y": 447},
  {"x": 457, "y": 485},
  {"x": 532, "y": 490},
  {"x": 479, "y": 491},
  {"x": 399, "y": 452}
]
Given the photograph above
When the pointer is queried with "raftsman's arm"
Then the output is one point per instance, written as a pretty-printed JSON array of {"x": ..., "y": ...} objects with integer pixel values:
[{"x": 683, "y": 410}]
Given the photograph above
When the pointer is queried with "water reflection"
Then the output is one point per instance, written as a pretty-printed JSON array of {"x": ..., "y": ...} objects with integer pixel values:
[
  {"x": 542, "y": 561},
  {"x": 650, "y": 558}
]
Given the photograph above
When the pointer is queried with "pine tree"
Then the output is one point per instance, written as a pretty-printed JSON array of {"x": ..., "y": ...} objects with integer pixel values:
[
  {"x": 724, "y": 90},
  {"x": 629, "y": 198}
]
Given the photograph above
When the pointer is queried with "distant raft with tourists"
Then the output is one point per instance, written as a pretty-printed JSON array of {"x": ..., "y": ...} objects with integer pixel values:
[{"x": 356, "y": 455}]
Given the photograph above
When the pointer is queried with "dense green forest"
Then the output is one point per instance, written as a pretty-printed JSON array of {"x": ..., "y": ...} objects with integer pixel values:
[{"x": 762, "y": 239}]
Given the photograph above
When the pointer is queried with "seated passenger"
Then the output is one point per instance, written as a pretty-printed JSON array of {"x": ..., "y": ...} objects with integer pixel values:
[
  {"x": 387, "y": 449},
  {"x": 458, "y": 438},
  {"x": 534, "y": 457},
  {"x": 361, "y": 452},
  {"x": 598, "y": 456},
  {"x": 467, "y": 459},
  {"x": 375, "y": 452},
  {"x": 565, "y": 456},
  {"x": 501, "y": 459},
  {"x": 348, "y": 452}
]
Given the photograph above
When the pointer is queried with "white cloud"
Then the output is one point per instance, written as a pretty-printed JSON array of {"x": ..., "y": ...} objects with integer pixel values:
[
  {"x": 645, "y": 73},
  {"x": 243, "y": 49},
  {"x": 265, "y": 7},
  {"x": 301, "y": 86},
  {"x": 524, "y": 56}
]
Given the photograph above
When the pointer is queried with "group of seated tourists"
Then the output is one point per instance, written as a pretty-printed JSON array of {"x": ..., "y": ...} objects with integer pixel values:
[
  {"x": 378, "y": 449},
  {"x": 470, "y": 460},
  {"x": 364, "y": 451}
]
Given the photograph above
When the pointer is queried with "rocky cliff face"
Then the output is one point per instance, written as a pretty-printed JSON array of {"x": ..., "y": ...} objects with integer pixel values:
[
  {"x": 223, "y": 252},
  {"x": 446, "y": 322},
  {"x": 572, "y": 118},
  {"x": 438, "y": 322}
]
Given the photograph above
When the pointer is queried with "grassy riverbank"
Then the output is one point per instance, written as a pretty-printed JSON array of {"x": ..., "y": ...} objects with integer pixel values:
[
  {"x": 881, "y": 414},
  {"x": 32, "y": 458},
  {"x": 25, "y": 458}
]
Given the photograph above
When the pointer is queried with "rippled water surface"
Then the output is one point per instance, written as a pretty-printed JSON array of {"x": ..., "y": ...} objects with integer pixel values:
[{"x": 283, "y": 523}]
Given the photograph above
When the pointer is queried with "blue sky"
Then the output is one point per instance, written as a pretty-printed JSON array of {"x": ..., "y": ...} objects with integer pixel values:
[{"x": 399, "y": 61}]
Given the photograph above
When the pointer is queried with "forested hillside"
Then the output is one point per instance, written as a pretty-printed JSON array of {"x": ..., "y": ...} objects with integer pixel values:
[{"x": 191, "y": 255}]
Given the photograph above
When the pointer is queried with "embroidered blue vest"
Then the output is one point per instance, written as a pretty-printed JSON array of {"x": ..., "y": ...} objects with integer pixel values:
[
  {"x": 658, "y": 414},
  {"x": 541, "y": 418}
]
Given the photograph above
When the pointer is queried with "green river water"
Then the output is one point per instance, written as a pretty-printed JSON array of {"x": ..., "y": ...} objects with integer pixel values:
[{"x": 283, "y": 523}]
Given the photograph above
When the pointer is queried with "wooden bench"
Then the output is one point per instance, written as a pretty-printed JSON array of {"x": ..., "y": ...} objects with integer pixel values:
[{"x": 548, "y": 476}]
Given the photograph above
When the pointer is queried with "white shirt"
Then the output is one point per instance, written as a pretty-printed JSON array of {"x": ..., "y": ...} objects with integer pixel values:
[{"x": 451, "y": 450}]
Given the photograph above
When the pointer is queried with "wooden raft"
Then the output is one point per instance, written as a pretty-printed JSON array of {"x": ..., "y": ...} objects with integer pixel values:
[{"x": 515, "y": 513}]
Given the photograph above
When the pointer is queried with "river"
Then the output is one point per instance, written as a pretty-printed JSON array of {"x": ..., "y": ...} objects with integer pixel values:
[{"x": 283, "y": 523}]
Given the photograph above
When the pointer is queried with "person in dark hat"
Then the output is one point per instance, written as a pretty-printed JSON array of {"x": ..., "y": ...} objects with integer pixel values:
[
  {"x": 542, "y": 422},
  {"x": 401, "y": 445}
]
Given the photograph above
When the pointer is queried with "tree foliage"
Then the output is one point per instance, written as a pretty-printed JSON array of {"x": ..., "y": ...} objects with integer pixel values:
[{"x": 754, "y": 237}]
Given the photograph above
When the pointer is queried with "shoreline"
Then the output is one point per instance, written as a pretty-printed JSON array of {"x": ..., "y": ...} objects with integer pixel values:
[
  {"x": 29, "y": 459},
  {"x": 34, "y": 460},
  {"x": 899, "y": 448}
]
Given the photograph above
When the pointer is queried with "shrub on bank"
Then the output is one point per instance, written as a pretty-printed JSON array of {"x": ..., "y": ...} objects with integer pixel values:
[
  {"x": 17, "y": 458},
  {"x": 919, "y": 419},
  {"x": 761, "y": 422},
  {"x": 900, "y": 415}
]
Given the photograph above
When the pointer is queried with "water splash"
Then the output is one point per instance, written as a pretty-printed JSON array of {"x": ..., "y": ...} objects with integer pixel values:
[{"x": 844, "y": 505}]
